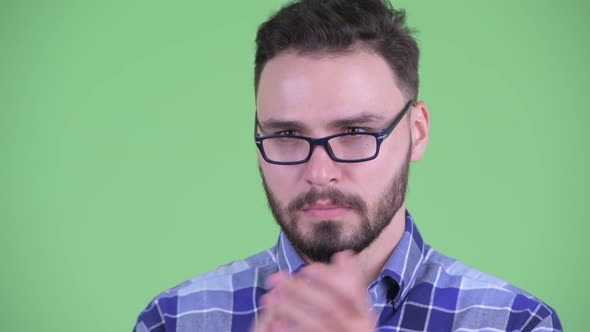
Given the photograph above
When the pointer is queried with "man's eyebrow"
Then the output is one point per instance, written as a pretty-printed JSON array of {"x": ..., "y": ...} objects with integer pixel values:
[
  {"x": 350, "y": 121},
  {"x": 356, "y": 120},
  {"x": 276, "y": 124}
]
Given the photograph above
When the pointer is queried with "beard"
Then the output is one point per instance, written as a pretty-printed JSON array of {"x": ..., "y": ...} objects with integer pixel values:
[{"x": 328, "y": 237}]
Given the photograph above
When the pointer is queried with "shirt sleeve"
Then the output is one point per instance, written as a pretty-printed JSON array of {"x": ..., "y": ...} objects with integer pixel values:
[
  {"x": 150, "y": 319},
  {"x": 551, "y": 323}
]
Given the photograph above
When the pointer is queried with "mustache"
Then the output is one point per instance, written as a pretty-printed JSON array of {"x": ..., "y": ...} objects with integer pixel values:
[{"x": 334, "y": 195}]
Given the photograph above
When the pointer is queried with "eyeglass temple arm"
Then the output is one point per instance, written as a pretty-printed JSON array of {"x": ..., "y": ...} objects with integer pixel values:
[
  {"x": 256, "y": 123},
  {"x": 397, "y": 120}
]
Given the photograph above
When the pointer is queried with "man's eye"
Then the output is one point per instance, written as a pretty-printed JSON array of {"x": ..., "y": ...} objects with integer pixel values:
[
  {"x": 287, "y": 132},
  {"x": 354, "y": 130}
]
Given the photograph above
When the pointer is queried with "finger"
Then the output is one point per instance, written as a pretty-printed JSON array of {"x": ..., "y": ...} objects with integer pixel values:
[
  {"x": 343, "y": 258},
  {"x": 292, "y": 316},
  {"x": 344, "y": 282},
  {"x": 303, "y": 307},
  {"x": 340, "y": 283},
  {"x": 262, "y": 323},
  {"x": 279, "y": 326},
  {"x": 272, "y": 284},
  {"x": 276, "y": 279},
  {"x": 297, "y": 317},
  {"x": 314, "y": 304},
  {"x": 271, "y": 297}
]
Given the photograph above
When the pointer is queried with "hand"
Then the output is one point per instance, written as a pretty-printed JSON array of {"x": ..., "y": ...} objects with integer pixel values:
[{"x": 322, "y": 297}]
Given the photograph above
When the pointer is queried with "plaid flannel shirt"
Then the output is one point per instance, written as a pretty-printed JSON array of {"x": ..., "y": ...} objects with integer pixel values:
[{"x": 418, "y": 289}]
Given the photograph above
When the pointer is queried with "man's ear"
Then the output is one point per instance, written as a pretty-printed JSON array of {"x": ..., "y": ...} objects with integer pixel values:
[{"x": 419, "y": 128}]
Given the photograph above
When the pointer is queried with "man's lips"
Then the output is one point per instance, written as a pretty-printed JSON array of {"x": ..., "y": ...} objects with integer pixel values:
[
  {"x": 324, "y": 210},
  {"x": 323, "y": 207}
]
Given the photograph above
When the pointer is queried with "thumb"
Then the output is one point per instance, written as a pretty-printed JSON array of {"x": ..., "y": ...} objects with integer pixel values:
[{"x": 343, "y": 258}]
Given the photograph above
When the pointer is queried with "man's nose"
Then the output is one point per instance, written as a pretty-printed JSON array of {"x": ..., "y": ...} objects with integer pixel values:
[{"x": 320, "y": 169}]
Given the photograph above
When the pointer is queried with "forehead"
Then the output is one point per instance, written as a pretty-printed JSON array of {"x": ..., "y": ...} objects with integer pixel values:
[{"x": 322, "y": 88}]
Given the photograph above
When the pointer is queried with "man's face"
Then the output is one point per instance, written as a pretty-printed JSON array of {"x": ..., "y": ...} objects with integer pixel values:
[{"x": 324, "y": 206}]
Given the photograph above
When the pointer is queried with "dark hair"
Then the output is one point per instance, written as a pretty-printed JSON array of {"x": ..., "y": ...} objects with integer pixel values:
[{"x": 340, "y": 26}]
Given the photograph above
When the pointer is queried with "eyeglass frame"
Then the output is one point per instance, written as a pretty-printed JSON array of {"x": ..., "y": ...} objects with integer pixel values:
[{"x": 313, "y": 142}]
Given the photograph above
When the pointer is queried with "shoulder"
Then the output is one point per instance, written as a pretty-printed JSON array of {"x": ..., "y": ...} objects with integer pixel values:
[
  {"x": 479, "y": 299},
  {"x": 210, "y": 294}
]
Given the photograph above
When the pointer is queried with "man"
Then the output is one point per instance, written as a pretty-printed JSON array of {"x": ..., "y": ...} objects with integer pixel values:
[{"x": 336, "y": 126}]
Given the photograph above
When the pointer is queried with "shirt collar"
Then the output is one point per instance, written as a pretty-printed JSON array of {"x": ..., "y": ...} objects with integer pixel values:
[
  {"x": 405, "y": 262},
  {"x": 287, "y": 257},
  {"x": 401, "y": 268}
]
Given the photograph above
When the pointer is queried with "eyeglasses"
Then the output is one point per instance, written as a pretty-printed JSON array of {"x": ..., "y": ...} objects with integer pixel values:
[{"x": 343, "y": 148}]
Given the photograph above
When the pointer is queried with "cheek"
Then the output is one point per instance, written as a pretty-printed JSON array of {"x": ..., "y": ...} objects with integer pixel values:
[
  {"x": 371, "y": 181},
  {"x": 375, "y": 176},
  {"x": 393, "y": 154},
  {"x": 279, "y": 179}
]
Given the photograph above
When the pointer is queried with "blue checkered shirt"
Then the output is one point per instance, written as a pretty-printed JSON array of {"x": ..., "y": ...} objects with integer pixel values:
[{"x": 419, "y": 289}]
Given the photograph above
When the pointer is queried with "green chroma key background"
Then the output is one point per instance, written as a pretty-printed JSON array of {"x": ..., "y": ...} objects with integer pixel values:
[{"x": 128, "y": 164}]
